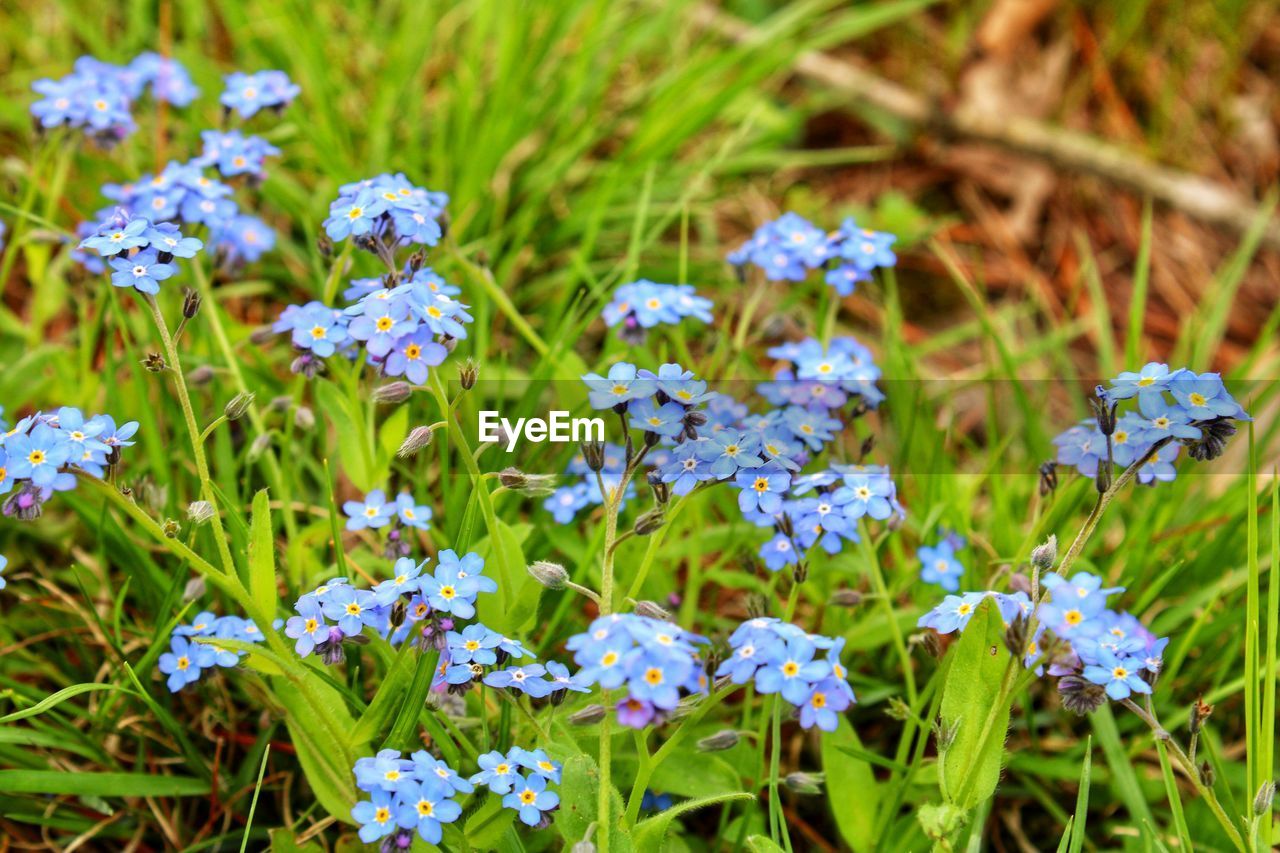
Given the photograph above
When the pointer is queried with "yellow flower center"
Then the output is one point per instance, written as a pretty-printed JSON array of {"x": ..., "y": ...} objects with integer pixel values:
[
  {"x": 1073, "y": 617},
  {"x": 413, "y": 352},
  {"x": 1196, "y": 399},
  {"x": 425, "y": 808},
  {"x": 609, "y": 659},
  {"x": 384, "y": 323},
  {"x": 761, "y": 484},
  {"x": 818, "y": 700},
  {"x": 653, "y": 676},
  {"x": 36, "y": 457},
  {"x": 312, "y": 625},
  {"x": 355, "y": 213},
  {"x": 1119, "y": 672},
  {"x": 471, "y": 645},
  {"x": 1146, "y": 381},
  {"x": 184, "y": 663},
  {"x": 382, "y": 815},
  {"x": 447, "y": 592},
  {"x": 790, "y": 668},
  {"x": 317, "y": 332},
  {"x": 964, "y": 609},
  {"x": 502, "y": 769},
  {"x": 353, "y": 609},
  {"x": 528, "y": 795}
]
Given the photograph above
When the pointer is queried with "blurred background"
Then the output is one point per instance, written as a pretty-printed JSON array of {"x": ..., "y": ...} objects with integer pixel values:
[{"x": 1024, "y": 136}]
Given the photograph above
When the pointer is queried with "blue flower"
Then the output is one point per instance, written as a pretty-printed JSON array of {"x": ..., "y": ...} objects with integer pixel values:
[
  {"x": 315, "y": 327},
  {"x": 666, "y": 420},
  {"x": 791, "y": 670},
  {"x": 826, "y": 699},
  {"x": 866, "y": 249},
  {"x": 386, "y": 771},
  {"x": 118, "y": 237},
  {"x": 308, "y": 627},
  {"x": 729, "y": 451},
  {"x": 1121, "y": 676},
  {"x": 1163, "y": 419},
  {"x": 143, "y": 272},
  {"x": 376, "y": 816},
  {"x": 497, "y": 772},
  {"x": 526, "y": 679},
  {"x": 475, "y": 644},
  {"x": 562, "y": 680},
  {"x": 374, "y": 511},
  {"x": 762, "y": 488},
  {"x": 411, "y": 513},
  {"x": 779, "y": 552},
  {"x": 1082, "y": 447},
  {"x": 1147, "y": 384},
  {"x": 183, "y": 663},
  {"x": 656, "y": 678},
  {"x": 940, "y": 565},
  {"x": 424, "y": 807},
  {"x": 351, "y": 609},
  {"x": 1203, "y": 397},
  {"x": 380, "y": 323},
  {"x": 953, "y": 614},
  {"x": 412, "y": 354},
  {"x": 4, "y": 564},
  {"x": 531, "y": 798},
  {"x": 166, "y": 238},
  {"x": 426, "y": 766},
  {"x": 248, "y": 93},
  {"x": 536, "y": 761},
  {"x": 405, "y": 582},
  {"x": 686, "y": 469},
  {"x": 621, "y": 385},
  {"x": 448, "y": 593},
  {"x": 37, "y": 455},
  {"x": 353, "y": 215}
]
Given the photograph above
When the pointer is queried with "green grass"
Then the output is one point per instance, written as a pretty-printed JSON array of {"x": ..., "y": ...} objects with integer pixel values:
[{"x": 583, "y": 144}]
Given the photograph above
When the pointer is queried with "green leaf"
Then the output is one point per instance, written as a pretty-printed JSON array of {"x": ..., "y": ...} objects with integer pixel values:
[
  {"x": 318, "y": 724},
  {"x": 489, "y": 824},
  {"x": 57, "y": 698},
  {"x": 390, "y": 696},
  {"x": 650, "y": 833},
  {"x": 262, "y": 556},
  {"x": 1082, "y": 799},
  {"x": 579, "y": 799},
  {"x": 762, "y": 844},
  {"x": 350, "y": 429},
  {"x": 687, "y": 773},
  {"x": 100, "y": 784},
  {"x": 404, "y": 728},
  {"x": 975, "y": 704},
  {"x": 851, "y": 786},
  {"x": 513, "y": 607}
]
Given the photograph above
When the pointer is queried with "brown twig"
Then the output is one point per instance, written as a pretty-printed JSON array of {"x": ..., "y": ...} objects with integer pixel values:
[{"x": 1192, "y": 194}]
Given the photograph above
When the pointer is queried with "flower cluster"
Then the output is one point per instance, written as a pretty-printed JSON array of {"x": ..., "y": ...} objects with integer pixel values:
[
  {"x": 386, "y": 211},
  {"x": 822, "y": 379},
  {"x": 782, "y": 658},
  {"x": 939, "y": 564},
  {"x": 98, "y": 96},
  {"x": 376, "y": 511},
  {"x": 643, "y": 304},
  {"x": 1095, "y": 652},
  {"x": 1174, "y": 409},
  {"x": 406, "y": 329},
  {"x": 336, "y": 612},
  {"x": 139, "y": 251},
  {"x": 789, "y": 247},
  {"x": 232, "y": 153},
  {"x": 525, "y": 792},
  {"x": 194, "y": 647},
  {"x": 406, "y": 794},
  {"x": 248, "y": 93},
  {"x": 657, "y": 662},
  {"x": 42, "y": 452}
]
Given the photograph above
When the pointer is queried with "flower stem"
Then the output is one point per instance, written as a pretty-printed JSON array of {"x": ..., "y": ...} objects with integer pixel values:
[
  {"x": 193, "y": 431},
  {"x": 1190, "y": 771}
]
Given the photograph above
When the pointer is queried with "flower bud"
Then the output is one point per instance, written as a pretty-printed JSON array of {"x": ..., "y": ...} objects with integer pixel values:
[
  {"x": 418, "y": 438},
  {"x": 171, "y": 528},
  {"x": 590, "y": 715},
  {"x": 551, "y": 575},
  {"x": 530, "y": 484},
  {"x": 584, "y": 846},
  {"x": 324, "y": 245},
  {"x": 1207, "y": 776},
  {"x": 238, "y": 405},
  {"x": 593, "y": 454},
  {"x": 898, "y": 710},
  {"x": 399, "y": 610},
  {"x": 804, "y": 783},
  {"x": 1048, "y": 478},
  {"x": 661, "y": 490},
  {"x": 1263, "y": 799},
  {"x": 199, "y": 512},
  {"x": 1044, "y": 556},
  {"x": 259, "y": 446},
  {"x": 468, "y": 373},
  {"x": 262, "y": 335},
  {"x": 392, "y": 393},
  {"x": 650, "y": 521},
  {"x": 195, "y": 588},
  {"x": 945, "y": 734},
  {"x": 154, "y": 362},
  {"x": 304, "y": 419},
  {"x": 1200, "y": 712},
  {"x": 190, "y": 304},
  {"x": 201, "y": 375},
  {"x": 652, "y": 610},
  {"x": 720, "y": 741},
  {"x": 846, "y": 598}
]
